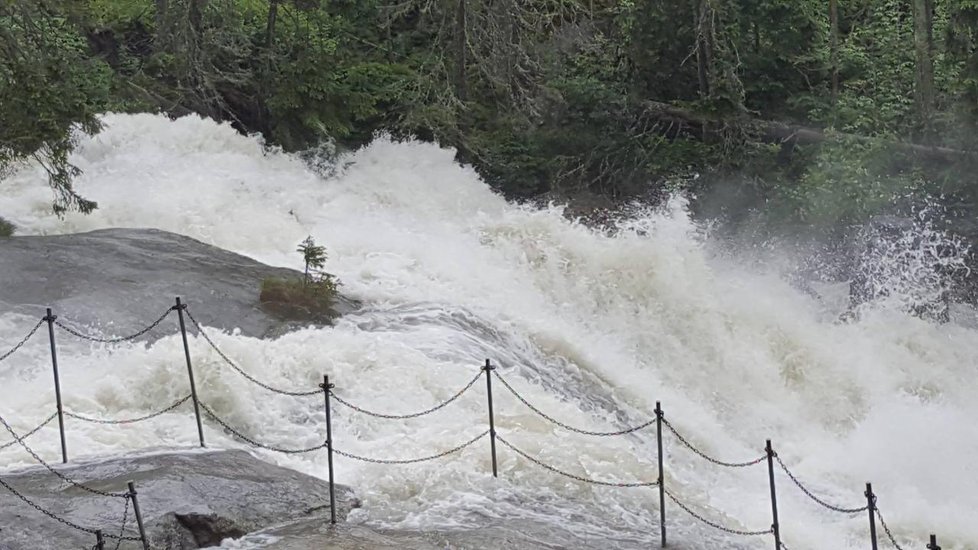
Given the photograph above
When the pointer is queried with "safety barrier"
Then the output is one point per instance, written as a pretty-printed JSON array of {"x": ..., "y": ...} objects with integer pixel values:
[{"x": 326, "y": 390}]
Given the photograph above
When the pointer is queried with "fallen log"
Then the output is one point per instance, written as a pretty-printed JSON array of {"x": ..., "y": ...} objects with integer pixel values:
[{"x": 769, "y": 131}]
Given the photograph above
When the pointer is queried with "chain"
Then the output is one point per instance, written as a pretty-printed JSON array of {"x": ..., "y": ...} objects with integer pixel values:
[
  {"x": 59, "y": 519},
  {"x": 255, "y": 443},
  {"x": 122, "y": 530},
  {"x": 51, "y": 469},
  {"x": 565, "y": 426},
  {"x": 128, "y": 420},
  {"x": 710, "y": 458},
  {"x": 714, "y": 524},
  {"x": 22, "y": 341},
  {"x": 51, "y": 515},
  {"x": 240, "y": 371},
  {"x": 542, "y": 464},
  {"x": 412, "y": 460},
  {"x": 32, "y": 432},
  {"x": 815, "y": 498},
  {"x": 886, "y": 529},
  {"x": 84, "y": 336},
  {"x": 412, "y": 415}
]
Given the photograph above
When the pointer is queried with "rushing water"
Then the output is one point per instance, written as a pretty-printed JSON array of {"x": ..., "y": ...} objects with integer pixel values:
[{"x": 592, "y": 328}]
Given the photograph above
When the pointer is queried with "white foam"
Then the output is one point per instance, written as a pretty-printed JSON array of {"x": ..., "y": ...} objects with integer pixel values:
[{"x": 454, "y": 274}]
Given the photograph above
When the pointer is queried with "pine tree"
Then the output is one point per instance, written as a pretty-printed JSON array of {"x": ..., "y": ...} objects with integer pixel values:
[{"x": 314, "y": 257}]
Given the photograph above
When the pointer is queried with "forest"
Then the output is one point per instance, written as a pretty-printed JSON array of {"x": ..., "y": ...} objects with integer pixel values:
[{"x": 808, "y": 113}]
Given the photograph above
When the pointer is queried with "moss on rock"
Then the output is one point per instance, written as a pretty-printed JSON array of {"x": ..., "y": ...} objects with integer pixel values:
[{"x": 299, "y": 300}]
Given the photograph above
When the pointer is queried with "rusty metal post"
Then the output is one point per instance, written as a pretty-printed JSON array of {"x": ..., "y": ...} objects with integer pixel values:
[
  {"x": 190, "y": 370},
  {"x": 775, "y": 527},
  {"x": 139, "y": 516},
  {"x": 662, "y": 481},
  {"x": 492, "y": 423},
  {"x": 329, "y": 450},
  {"x": 871, "y": 507},
  {"x": 50, "y": 318}
]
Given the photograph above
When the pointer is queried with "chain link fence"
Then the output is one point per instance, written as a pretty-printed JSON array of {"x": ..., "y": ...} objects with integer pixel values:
[
  {"x": 707, "y": 457},
  {"x": 327, "y": 444},
  {"x": 810, "y": 495},
  {"x": 22, "y": 341},
  {"x": 453, "y": 450},
  {"x": 254, "y": 443},
  {"x": 242, "y": 372},
  {"x": 886, "y": 529},
  {"x": 79, "y": 334},
  {"x": 714, "y": 524},
  {"x": 150, "y": 416},
  {"x": 437, "y": 407},
  {"x": 122, "y": 528},
  {"x": 582, "y": 479},
  {"x": 38, "y": 428},
  {"x": 566, "y": 426},
  {"x": 51, "y": 469},
  {"x": 120, "y": 537}
]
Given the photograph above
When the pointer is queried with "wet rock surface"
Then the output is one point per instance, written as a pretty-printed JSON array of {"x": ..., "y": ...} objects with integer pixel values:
[
  {"x": 116, "y": 281},
  {"x": 192, "y": 499}
]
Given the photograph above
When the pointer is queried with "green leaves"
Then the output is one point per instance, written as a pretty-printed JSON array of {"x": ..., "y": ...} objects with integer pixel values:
[
  {"x": 50, "y": 88},
  {"x": 312, "y": 254},
  {"x": 317, "y": 286}
]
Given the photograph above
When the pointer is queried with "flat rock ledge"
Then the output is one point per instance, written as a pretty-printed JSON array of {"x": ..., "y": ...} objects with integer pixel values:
[
  {"x": 117, "y": 281},
  {"x": 188, "y": 499}
]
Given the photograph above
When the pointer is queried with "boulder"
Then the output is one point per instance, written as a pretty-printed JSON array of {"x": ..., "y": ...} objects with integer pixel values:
[
  {"x": 117, "y": 281},
  {"x": 189, "y": 499}
]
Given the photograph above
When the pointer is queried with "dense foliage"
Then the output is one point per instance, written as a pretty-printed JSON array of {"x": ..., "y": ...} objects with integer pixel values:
[
  {"x": 309, "y": 298},
  {"x": 873, "y": 99},
  {"x": 6, "y": 228}
]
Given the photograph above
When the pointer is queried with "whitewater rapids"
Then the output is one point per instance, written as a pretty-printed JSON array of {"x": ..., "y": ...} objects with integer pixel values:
[{"x": 592, "y": 328}]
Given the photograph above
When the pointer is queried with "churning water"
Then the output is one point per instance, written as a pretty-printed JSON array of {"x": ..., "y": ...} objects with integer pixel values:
[{"x": 592, "y": 328}]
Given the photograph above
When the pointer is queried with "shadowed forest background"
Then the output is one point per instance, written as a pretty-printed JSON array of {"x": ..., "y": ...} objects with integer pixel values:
[{"x": 796, "y": 113}]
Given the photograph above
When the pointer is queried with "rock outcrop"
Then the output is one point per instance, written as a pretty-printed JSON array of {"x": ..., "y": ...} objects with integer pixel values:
[
  {"x": 191, "y": 499},
  {"x": 118, "y": 280}
]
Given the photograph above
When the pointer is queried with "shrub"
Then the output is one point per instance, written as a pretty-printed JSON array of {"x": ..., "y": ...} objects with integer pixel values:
[
  {"x": 6, "y": 228},
  {"x": 297, "y": 300},
  {"x": 309, "y": 298}
]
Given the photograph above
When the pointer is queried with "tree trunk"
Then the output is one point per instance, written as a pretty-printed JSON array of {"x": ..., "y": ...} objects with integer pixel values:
[
  {"x": 195, "y": 56},
  {"x": 460, "y": 45},
  {"x": 265, "y": 79},
  {"x": 196, "y": 15},
  {"x": 834, "y": 47},
  {"x": 923, "y": 31},
  {"x": 757, "y": 38},
  {"x": 704, "y": 50},
  {"x": 681, "y": 120},
  {"x": 512, "y": 47},
  {"x": 270, "y": 26},
  {"x": 161, "y": 38}
]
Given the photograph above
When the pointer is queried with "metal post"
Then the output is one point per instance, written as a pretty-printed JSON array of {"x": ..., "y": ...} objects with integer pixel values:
[
  {"x": 190, "y": 370},
  {"x": 871, "y": 502},
  {"x": 50, "y": 317},
  {"x": 329, "y": 450},
  {"x": 662, "y": 482},
  {"x": 774, "y": 496},
  {"x": 139, "y": 516},
  {"x": 933, "y": 543},
  {"x": 492, "y": 423},
  {"x": 99, "y": 541}
]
